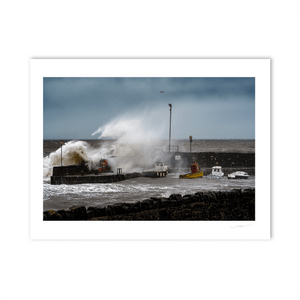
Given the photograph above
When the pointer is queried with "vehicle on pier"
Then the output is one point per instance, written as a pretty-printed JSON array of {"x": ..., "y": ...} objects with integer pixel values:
[
  {"x": 161, "y": 170},
  {"x": 238, "y": 175},
  {"x": 216, "y": 172},
  {"x": 103, "y": 167},
  {"x": 195, "y": 172}
]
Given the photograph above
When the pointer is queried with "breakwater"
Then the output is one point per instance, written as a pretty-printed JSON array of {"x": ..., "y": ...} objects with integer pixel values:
[
  {"x": 233, "y": 205},
  {"x": 92, "y": 178},
  {"x": 207, "y": 171},
  {"x": 209, "y": 159},
  {"x": 177, "y": 162}
]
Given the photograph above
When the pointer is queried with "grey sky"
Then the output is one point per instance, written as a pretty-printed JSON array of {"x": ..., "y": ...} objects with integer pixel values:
[{"x": 206, "y": 108}]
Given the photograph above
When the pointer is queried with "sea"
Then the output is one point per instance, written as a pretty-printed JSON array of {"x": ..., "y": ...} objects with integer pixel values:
[{"x": 132, "y": 157}]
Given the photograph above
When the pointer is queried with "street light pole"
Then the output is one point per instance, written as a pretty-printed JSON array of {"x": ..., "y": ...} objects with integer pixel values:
[
  {"x": 61, "y": 142},
  {"x": 170, "y": 105}
]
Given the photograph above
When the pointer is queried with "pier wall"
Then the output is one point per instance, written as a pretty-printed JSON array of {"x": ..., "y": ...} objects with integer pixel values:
[
  {"x": 210, "y": 159},
  {"x": 70, "y": 170},
  {"x": 234, "y": 205},
  {"x": 177, "y": 162},
  {"x": 78, "y": 179},
  {"x": 205, "y": 160}
]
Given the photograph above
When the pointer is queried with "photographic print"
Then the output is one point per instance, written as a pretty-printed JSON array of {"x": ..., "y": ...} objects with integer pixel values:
[{"x": 149, "y": 148}]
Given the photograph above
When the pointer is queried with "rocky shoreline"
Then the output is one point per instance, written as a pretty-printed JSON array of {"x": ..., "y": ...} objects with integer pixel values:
[{"x": 234, "y": 205}]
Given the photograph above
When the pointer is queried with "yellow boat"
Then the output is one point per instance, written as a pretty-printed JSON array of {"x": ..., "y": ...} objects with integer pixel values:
[{"x": 195, "y": 172}]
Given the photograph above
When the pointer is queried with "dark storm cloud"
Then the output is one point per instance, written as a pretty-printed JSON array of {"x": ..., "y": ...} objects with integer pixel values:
[
  {"x": 204, "y": 89},
  {"x": 75, "y": 107}
]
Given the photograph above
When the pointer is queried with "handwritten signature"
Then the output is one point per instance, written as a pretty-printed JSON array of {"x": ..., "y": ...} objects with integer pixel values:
[{"x": 240, "y": 226}]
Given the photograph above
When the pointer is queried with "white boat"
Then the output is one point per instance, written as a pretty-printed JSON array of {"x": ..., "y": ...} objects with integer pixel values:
[
  {"x": 161, "y": 170},
  {"x": 216, "y": 172},
  {"x": 238, "y": 175},
  {"x": 161, "y": 167}
]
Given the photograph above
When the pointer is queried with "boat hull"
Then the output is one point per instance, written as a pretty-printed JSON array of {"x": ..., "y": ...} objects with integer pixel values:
[
  {"x": 238, "y": 175},
  {"x": 191, "y": 175},
  {"x": 155, "y": 174}
]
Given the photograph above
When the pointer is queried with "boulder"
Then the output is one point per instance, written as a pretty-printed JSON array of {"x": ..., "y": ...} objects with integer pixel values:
[
  {"x": 90, "y": 213},
  {"x": 101, "y": 211},
  {"x": 62, "y": 213},
  {"x": 117, "y": 208},
  {"x": 186, "y": 199},
  {"x": 79, "y": 212},
  {"x": 149, "y": 203},
  {"x": 175, "y": 197},
  {"x": 110, "y": 210}
]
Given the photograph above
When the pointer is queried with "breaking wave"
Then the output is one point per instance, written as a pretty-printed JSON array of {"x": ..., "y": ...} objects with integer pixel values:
[
  {"x": 132, "y": 147},
  {"x": 75, "y": 152}
]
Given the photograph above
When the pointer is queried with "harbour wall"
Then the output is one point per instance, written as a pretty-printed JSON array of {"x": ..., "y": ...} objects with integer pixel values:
[
  {"x": 92, "y": 178},
  {"x": 231, "y": 160},
  {"x": 234, "y": 205},
  {"x": 207, "y": 171},
  {"x": 177, "y": 162}
]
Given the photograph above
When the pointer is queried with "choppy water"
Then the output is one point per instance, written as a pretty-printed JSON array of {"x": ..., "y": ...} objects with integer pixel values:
[{"x": 64, "y": 196}]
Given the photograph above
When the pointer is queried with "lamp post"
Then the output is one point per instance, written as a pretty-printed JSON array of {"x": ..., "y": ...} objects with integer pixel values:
[
  {"x": 61, "y": 142},
  {"x": 170, "y": 105},
  {"x": 191, "y": 140}
]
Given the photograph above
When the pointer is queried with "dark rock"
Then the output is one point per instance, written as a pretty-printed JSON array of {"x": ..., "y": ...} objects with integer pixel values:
[
  {"x": 225, "y": 195},
  {"x": 79, "y": 212},
  {"x": 163, "y": 214},
  {"x": 90, "y": 213},
  {"x": 219, "y": 195},
  {"x": 63, "y": 214},
  {"x": 195, "y": 198},
  {"x": 101, "y": 211},
  {"x": 175, "y": 196},
  {"x": 165, "y": 202},
  {"x": 237, "y": 192},
  {"x": 110, "y": 210},
  {"x": 126, "y": 208},
  {"x": 210, "y": 205},
  {"x": 173, "y": 202},
  {"x": 186, "y": 199},
  {"x": 144, "y": 205},
  {"x": 156, "y": 202},
  {"x": 137, "y": 206},
  {"x": 155, "y": 199},
  {"x": 47, "y": 214},
  {"x": 248, "y": 193},
  {"x": 55, "y": 216},
  {"x": 212, "y": 195},
  {"x": 51, "y": 215},
  {"x": 149, "y": 203},
  {"x": 70, "y": 215},
  {"x": 199, "y": 194},
  {"x": 117, "y": 208}
]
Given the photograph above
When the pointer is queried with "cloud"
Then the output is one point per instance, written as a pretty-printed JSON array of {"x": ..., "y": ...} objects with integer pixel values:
[{"x": 78, "y": 106}]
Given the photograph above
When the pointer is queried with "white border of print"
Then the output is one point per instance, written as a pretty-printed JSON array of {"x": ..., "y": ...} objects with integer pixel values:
[{"x": 147, "y": 230}]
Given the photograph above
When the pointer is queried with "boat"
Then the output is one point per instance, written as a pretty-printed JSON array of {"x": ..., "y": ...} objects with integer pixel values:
[
  {"x": 238, "y": 175},
  {"x": 161, "y": 170},
  {"x": 216, "y": 172},
  {"x": 195, "y": 172}
]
